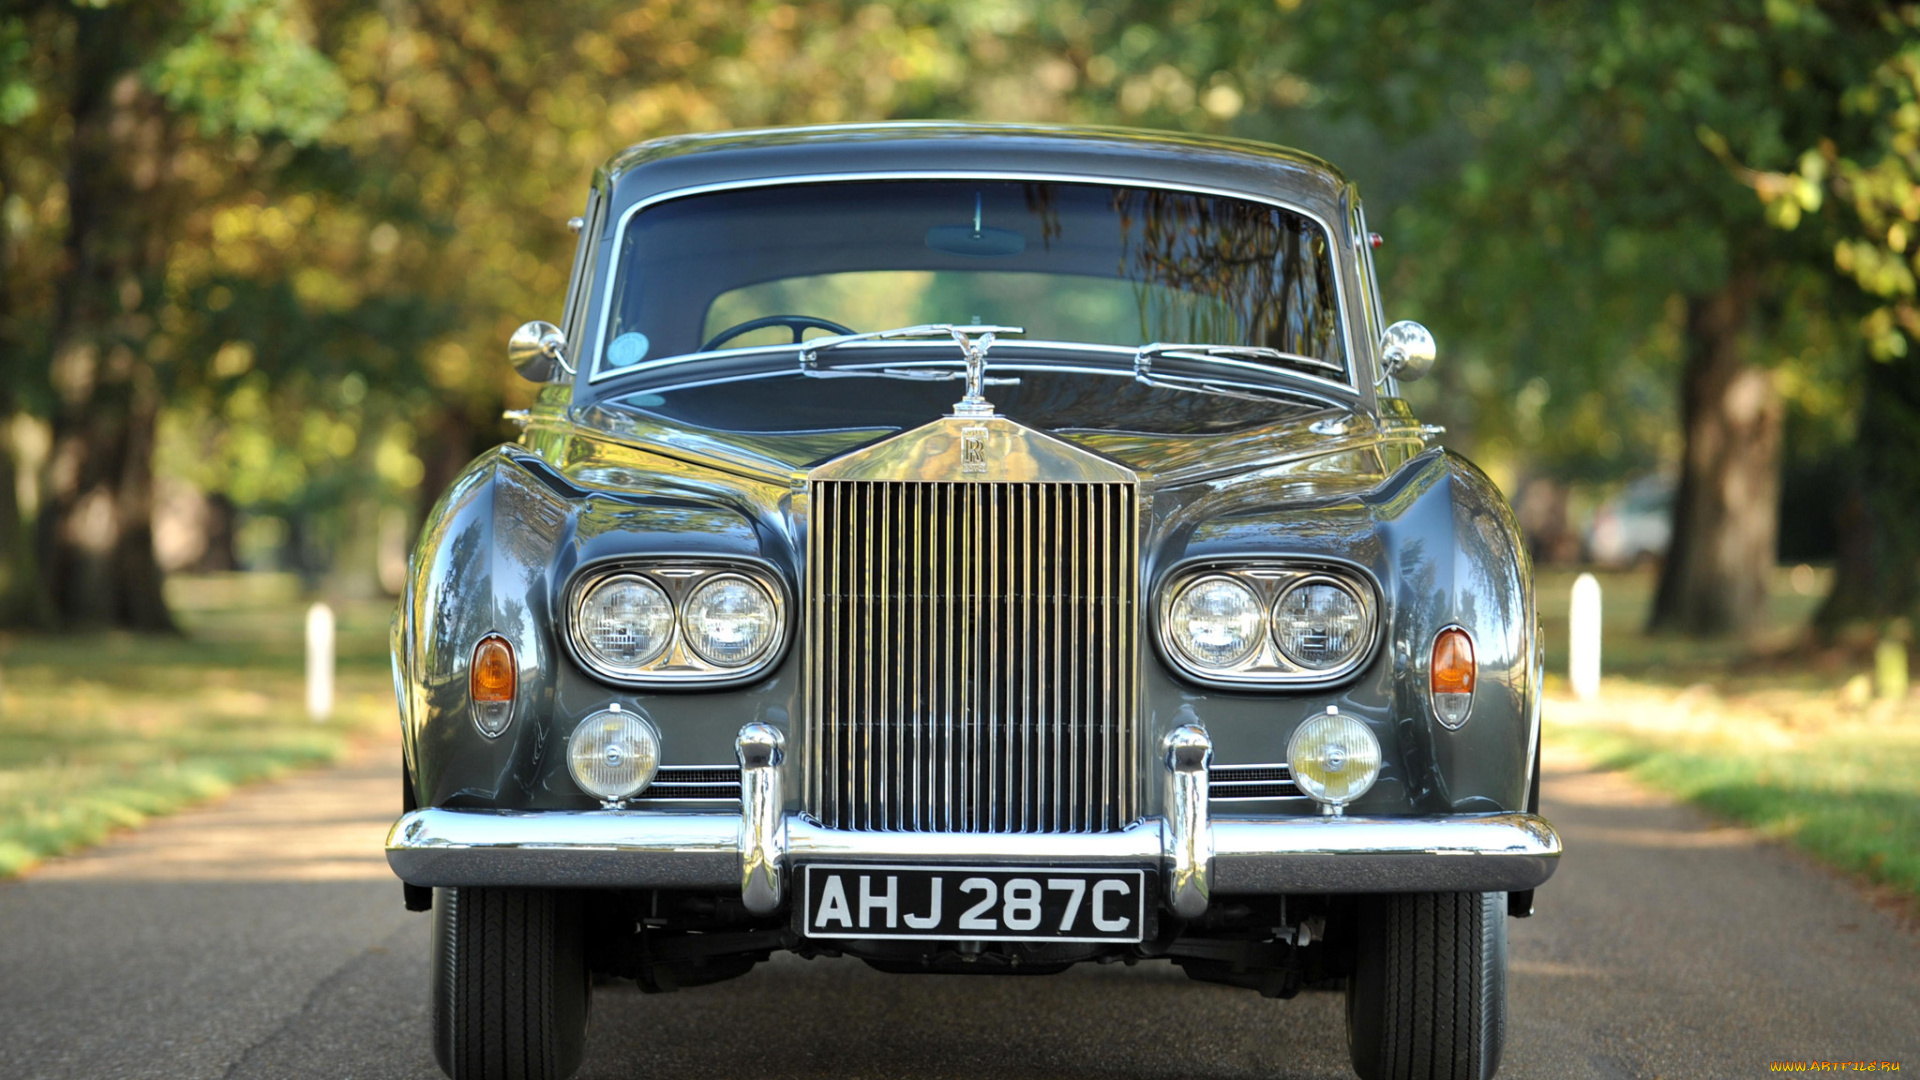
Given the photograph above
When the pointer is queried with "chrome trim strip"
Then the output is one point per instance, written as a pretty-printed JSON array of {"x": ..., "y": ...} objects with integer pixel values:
[
  {"x": 1190, "y": 854},
  {"x": 598, "y": 345},
  {"x": 1506, "y": 852},
  {"x": 1140, "y": 844},
  {"x": 647, "y": 849},
  {"x": 762, "y": 831},
  {"x": 567, "y": 848}
]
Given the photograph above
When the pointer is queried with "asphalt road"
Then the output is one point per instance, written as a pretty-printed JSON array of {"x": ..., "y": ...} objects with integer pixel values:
[{"x": 264, "y": 938}]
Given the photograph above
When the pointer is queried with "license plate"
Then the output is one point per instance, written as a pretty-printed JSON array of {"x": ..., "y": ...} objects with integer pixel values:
[{"x": 973, "y": 903}]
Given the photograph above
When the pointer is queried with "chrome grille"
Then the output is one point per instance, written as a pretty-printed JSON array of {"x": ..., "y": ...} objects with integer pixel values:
[
  {"x": 701, "y": 783},
  {"x": 972, "y": 649},
  {"x": 1252, "y": 782}
]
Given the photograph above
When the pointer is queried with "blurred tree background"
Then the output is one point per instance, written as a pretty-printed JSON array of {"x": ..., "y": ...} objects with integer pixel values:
[{"x": 258, "y": 258}]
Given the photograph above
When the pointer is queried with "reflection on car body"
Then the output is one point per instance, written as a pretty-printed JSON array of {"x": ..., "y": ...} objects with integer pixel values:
[{"x": 971, "y": 549}]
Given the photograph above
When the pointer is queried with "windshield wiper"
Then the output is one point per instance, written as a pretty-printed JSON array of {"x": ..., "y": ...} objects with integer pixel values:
[
  {"x": 974, "y": 341},
  {"x": 907, "y": 374},
  {"x": 962, "y": 335},
  {"x": 1202, "y": 386},
  {"x": 1143, "y": 359}
]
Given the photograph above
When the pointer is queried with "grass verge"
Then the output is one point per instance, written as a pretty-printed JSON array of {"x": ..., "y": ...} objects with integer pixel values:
[
  {"x": 1795, "y": 749},
  {"x": 100, "y": 732},
  {"x": 1841, "y": 784}
]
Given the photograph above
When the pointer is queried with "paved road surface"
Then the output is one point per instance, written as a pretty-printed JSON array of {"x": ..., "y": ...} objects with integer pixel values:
[{"x": 264, "y": 938}]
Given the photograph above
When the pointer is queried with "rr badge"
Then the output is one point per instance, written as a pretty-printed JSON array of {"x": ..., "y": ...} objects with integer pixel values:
[{"x": 973, "y": 450}]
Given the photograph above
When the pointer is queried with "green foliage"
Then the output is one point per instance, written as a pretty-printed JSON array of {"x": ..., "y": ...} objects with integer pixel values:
[
  {"x": 247, "y": 67},
  {"x": 18, "y": 97},
  {"x": 1872, "y": 167},
  {"x": 1583, "y": 186}
]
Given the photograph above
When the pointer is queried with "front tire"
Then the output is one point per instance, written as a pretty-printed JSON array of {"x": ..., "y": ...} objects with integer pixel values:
[
  {"x": 510, "y": 984},
  {"x": 1428, "y": 996}
]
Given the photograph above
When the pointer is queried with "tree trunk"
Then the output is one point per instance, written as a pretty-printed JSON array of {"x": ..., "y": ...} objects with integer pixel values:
[
  {"x": 450, "y": 441},
  {"x": 1878, "y": 576},
  {"x": 19, "y": 584},
  {"x": 1726, "y": 512},
  {"x": 95, "y": 526}
]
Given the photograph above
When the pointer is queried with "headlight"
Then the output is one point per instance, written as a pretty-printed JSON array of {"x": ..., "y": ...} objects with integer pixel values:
[
  {"x": 613, "y": 754},
  {"x": 1335, "y": 759},
  {"x": 1319, "y": 624},
  {"x": 625, "y": 621},
  {"x": 729, "y": 621},
  {"x": 1269, "y": 624},
  {"x": 676, "y": 621},
  {"x": 1217, "y": 622}
]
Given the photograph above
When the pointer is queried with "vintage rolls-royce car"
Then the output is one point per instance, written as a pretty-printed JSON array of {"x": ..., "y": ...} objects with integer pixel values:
[{"x": 971, "y": 550}]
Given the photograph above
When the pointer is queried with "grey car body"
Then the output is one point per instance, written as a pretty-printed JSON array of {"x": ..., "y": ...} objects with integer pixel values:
[{"x": 712, "y": 459}]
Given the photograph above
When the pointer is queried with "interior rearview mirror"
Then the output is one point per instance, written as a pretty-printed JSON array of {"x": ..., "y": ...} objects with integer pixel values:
[
  {"x": 538, "y": 350},
  {"x": 1407, "y": 350}
]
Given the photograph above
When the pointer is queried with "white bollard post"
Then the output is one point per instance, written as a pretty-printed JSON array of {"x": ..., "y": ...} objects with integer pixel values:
[
  {"x": 1583, "y": 625},
  {"x": 319, "y": 662}
]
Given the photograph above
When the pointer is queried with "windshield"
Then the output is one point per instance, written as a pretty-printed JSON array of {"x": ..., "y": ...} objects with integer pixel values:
[{"x": 1070, "y": 262}]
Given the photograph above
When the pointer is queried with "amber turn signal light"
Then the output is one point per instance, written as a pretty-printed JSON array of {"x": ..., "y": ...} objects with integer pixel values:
[
  {"x": 1452, "y": 676},
  {"x": 491, "y": 682},
  {"x": 493, "y": 675},
  {"x": 1453, "y": 668}
]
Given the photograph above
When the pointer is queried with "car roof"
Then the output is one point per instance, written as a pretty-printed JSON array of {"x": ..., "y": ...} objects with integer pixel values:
[{"x": 683, "y": 162}]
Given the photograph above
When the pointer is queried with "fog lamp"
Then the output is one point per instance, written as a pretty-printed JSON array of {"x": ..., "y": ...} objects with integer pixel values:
[
  {"x": 613, "y": 754},
  {"x": 1335, "y": 759}
]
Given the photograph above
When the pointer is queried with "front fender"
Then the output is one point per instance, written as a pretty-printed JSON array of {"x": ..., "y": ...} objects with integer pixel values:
[
  {"x": 495, "y": 557},
  {"x": 1443, "y": 546}
]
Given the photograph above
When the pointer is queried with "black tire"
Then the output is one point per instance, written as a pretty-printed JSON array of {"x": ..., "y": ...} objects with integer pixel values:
[
  {"x": 510, "y": 989},
  {"x": 1428, "y": 996}
]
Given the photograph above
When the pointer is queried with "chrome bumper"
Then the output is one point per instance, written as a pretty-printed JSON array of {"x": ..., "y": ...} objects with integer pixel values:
[{"x": 754, "y": 850}]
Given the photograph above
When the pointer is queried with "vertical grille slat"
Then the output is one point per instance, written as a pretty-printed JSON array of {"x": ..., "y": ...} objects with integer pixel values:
[{"x": 972, "y": 655}]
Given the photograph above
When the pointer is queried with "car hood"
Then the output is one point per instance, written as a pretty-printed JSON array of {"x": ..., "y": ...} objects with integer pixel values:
[{"x": 1325, "y": 448}]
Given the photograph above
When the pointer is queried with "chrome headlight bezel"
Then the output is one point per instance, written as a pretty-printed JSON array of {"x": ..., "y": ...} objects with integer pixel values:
[
  {"x": 677, "y": 665},
  {"x": 1270, "y": 579}
]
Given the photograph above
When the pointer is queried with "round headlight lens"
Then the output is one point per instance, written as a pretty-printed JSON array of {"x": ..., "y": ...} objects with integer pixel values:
[
  {"x": 1319, "y": 625},
  {"x": 625, "y": 621},
  {"x": 613, "y": 754},
  {"x": 730, "y": 621},
  {"x": 1334, "y": 758},
  {"x": 1217, "y": 622}
]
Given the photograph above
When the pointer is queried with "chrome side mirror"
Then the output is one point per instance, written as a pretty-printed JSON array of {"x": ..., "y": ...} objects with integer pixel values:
[
  {"x": 1406, "y": 350},
  {"x": 537, "y": 350}
]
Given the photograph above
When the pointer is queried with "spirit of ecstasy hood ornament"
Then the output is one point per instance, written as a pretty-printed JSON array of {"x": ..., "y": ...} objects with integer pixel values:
[{"x": 974, "y": 348}]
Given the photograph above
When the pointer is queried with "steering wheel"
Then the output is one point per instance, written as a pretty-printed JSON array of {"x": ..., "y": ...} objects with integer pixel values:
[{"x": 799, "y": 324}]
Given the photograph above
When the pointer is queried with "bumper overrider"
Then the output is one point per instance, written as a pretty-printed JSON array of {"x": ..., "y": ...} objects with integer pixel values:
[{"x": 756, "y": 849}]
